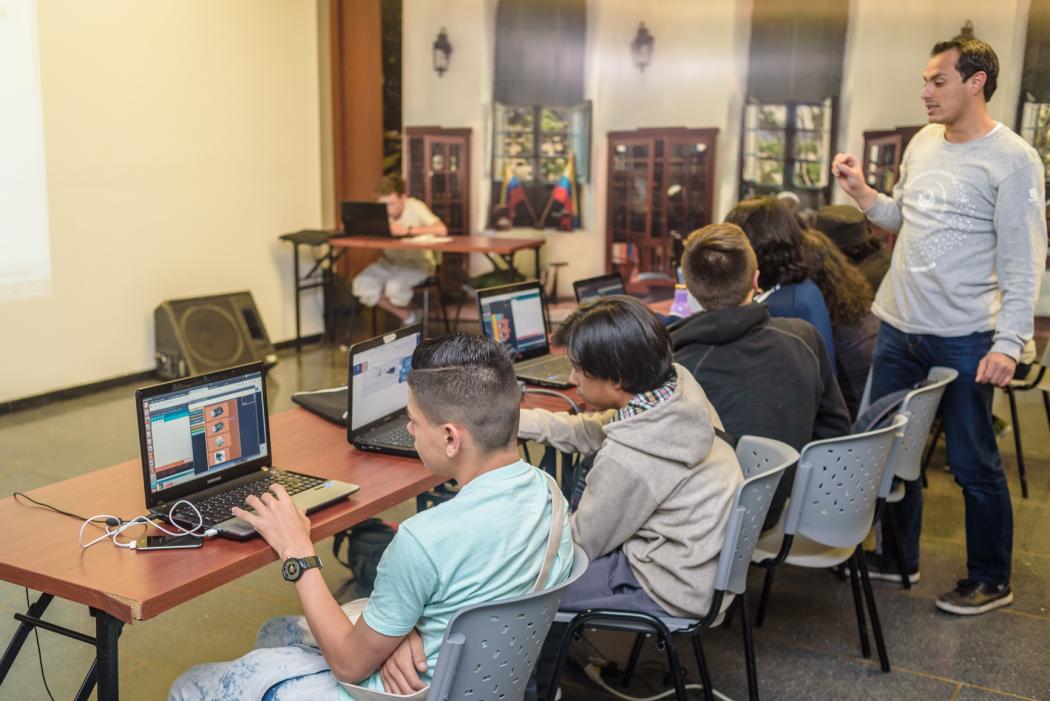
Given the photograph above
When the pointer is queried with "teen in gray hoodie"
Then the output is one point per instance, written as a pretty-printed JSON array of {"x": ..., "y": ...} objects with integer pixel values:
[{"x": 653, "y": 515}]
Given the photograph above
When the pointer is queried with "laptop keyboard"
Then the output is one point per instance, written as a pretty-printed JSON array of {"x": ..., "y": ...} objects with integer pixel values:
[
  {"x": 554, "y": 366},
  {"x": 396, "y": 434},
  {"x": 216, "y": 508}
]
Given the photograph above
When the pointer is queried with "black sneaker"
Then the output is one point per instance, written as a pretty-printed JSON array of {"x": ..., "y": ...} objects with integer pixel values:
[
  {"x": 885, "y": 569},
  {"x": 970, "y": 598}
]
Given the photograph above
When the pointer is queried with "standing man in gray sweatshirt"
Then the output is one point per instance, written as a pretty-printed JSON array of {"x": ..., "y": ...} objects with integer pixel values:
[{"x": 969, "y": 207}]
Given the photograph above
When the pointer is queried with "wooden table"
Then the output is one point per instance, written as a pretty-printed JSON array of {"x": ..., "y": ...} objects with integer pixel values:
[
  {"x": 486, "y": 245},
  {"x": 40, "y": 549}
]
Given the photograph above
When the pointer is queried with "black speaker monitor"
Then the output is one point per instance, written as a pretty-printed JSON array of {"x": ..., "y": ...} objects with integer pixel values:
[{"x": 204, "y": 334}]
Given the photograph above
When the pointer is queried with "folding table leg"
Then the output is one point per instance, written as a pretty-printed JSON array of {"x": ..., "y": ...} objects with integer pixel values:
[
  {"x": 36, "y": 610},
  {"x": 107, "y": 632}
]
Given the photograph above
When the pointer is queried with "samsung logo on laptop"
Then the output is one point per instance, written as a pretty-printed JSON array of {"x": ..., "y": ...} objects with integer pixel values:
[{"x": 213, "y": 480}]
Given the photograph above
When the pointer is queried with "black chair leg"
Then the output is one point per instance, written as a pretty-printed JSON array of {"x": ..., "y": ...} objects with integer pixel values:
[
  {"x": 767, "y": 585},
  {"x": 1017, "y": 442},
  {"x": 705, "y": 675},
  {"x": 895, "y": 534},
  {"x": 858, "y": 605},
  {"x": 728, "y": 620},
  {"x": 632, "y": 660},
  {"x": 938, "y": 429},
  {"x": 749, "y": 650},
  {"x": 426, "y": 313},
  {"x": 873, "y": 611},
  {"x": 563, "y": 654},
  {"x": 444, "y": 309},
  {"x": 1046, "y": 405}
]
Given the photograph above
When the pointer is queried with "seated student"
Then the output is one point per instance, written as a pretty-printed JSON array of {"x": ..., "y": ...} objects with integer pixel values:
[
  {"x": 784, "y": 280},
  {"x": 389, "y": 281},
  {"x": 849, "y": 297},
  {"x": 765, "y": 376},
  {"x": 848, "y": 228},
  {"x": 486, "y": 544},
  {"x": 653, "y": 514}
]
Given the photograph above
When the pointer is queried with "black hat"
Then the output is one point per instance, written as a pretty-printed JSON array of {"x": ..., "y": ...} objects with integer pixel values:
[{"x": 844, "y": 224}]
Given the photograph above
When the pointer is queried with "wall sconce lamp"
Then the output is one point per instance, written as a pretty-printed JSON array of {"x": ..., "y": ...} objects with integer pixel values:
[
  {"x": 642, "y": 47},
  {"x": 442, "y": 52}
]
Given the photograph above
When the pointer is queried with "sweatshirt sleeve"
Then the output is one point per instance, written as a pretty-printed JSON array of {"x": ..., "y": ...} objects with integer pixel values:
[
  {"x": 614, "y": 506},
  {"x": 832, "y": 416},
  {"x": 580, "y": 433},
  {"x": 1020, "y": 231},
  {"x": 886, "y": 212}
]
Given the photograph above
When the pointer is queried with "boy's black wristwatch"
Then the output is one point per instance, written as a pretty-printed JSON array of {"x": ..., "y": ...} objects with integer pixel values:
[{"x": 294, "y": 567}]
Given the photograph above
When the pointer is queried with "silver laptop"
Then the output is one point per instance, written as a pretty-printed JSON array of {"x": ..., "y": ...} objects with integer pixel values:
[
  {"x": 516, "y": 317},
  {"x": 206, "y": 440},
  {"x": 597, "y": 287},
  {"x": 377, "y": 401}
]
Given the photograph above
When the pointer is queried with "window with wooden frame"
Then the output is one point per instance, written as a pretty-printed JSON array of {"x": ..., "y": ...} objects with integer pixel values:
[{"x": 786, "y": 146}]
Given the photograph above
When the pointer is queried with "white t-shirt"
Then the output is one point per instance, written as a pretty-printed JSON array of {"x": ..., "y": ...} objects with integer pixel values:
[{"x": 415, "y": 214}]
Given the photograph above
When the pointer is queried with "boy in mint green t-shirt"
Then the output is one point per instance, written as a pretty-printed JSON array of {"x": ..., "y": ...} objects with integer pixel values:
[{"x": 486, "y": 544}]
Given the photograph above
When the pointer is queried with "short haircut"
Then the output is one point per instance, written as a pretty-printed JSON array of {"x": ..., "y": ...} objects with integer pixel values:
[
  {"x": 776, "y": 237},
  {"x": 390, "y": 185},
  {"x": 974, "y": 56},
  {"x": 719, "y": 266},
  {"x": 618, "y": 338},
  {"x": 467, "y": 380}
]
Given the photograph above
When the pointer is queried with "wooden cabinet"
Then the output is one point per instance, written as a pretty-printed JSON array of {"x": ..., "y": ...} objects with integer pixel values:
[
  {"x": 437, "y": 171},
  {"x": 660, "y": 189}
]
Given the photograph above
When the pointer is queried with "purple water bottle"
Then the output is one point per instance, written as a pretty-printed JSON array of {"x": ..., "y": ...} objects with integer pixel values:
[{"x": 680, "y": 306}]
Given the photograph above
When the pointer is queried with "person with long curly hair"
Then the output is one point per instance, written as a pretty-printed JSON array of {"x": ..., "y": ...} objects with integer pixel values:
[
  {"x": 848, "y": 296},
  {"x": 783, "y": 276}
]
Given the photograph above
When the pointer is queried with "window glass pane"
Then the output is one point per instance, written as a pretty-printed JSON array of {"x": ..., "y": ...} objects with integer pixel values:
[
  {"x": 810, "y": 117},
  {"x": 809, "y": 174},
  {"x": 516, "y": 144},
  {"x": 552, "y": 168},
  {"x": 522, "y": 168},
  {"x": 554, "y": 119},
  {"x": 766, "y": 116},
  {"x": 515, "y": 118},
  {"x": 766, "y": 144},
  {"x": 808, "y": 146}
]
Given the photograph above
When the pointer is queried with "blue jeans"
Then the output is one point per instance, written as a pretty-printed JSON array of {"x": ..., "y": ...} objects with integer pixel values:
[{"x": 901, "y": 360}]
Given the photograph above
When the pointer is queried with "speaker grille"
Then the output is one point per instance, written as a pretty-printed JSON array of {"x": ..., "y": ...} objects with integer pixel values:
[{"x": 216, "y": 338}]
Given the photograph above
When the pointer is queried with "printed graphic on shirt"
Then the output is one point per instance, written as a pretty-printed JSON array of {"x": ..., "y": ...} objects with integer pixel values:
[{"x": 942, "y": 209}]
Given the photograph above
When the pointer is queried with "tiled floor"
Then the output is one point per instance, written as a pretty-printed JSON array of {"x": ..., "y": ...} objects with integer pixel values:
[{"x": 808, "y": 648}]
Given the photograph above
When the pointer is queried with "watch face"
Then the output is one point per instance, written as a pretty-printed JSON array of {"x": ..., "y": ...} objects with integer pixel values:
[{"x": 291, "y": 570}]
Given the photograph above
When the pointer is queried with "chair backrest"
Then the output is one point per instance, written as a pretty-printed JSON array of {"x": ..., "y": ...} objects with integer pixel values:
[
  {"x": 837, "y": 485},
  {"x": 763, "y": 461},
  {"x": 920, "y": 406},
  {"x": 490, "y": 649}
]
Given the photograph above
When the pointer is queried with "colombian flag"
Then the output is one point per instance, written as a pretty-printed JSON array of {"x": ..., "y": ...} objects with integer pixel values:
[
  {"x": 511, "y": 193},
  {"x": 565, "y": 190}
]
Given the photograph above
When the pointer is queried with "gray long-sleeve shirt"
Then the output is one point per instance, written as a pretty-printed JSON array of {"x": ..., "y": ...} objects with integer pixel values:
[{"x": 972, "y": 247}]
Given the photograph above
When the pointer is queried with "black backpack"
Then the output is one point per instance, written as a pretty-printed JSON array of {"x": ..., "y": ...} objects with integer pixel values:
[{"x": 365, "y": 544}]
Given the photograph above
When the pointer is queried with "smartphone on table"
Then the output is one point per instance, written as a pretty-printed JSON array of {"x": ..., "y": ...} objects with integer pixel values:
[{"x": 168, "y": 542}]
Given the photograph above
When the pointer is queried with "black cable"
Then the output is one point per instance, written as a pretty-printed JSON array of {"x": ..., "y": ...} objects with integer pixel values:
[
  {"x": 60, "y": 511},
  {"x": 36, "y": 634}
]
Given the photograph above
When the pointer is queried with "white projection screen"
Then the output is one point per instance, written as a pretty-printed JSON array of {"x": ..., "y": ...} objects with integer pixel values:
[{"x": 25, "y": 262}]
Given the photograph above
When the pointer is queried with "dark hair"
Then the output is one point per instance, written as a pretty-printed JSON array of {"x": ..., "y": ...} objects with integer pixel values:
[
  {"x": 776, "y": 237},
  {"x": 975, "y": 56},
  {"x": 858, "y": 252},
  {"x": 390, "y": 185},
  {"x": 468, "y": 380},
  {"x": 847, "y": 292},
  {"x": 719, "y": 265},
  {"x": 618, "y": 338}
]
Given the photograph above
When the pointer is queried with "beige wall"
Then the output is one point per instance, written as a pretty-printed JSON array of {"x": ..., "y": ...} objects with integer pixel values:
[{"x": 182, "y": 138}]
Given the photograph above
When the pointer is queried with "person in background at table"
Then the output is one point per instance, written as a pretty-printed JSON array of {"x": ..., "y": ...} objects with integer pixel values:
[
  {"x": 970, "y": 209},
  {"x": 653, "y": 513},
  {"x": 848, "y": 228},
  {"x": 389, "y": 281},
  {"x": 768, "y": 377},
  {"x": 784, "y": 280},
  {"x": 848, "y": 296},
  {"x": 488, "y": 544}
]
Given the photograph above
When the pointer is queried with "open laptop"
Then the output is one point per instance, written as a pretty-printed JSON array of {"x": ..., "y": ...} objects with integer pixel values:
[
  {"x": 377, "y": 403},
  {"x": 516, "y": 317},
  {"x": 365, "y": 219},
  {"x": 596, "y": 287},
  {"x": 206, "y": 440}
]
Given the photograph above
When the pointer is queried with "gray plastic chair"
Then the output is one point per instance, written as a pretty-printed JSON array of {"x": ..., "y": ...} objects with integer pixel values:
[
  {"x": 489, "y": 650},
  {"x": 920, "y": 408},
  {"x": 832, "y": 506},
  {"x": 763, "y": 462}
]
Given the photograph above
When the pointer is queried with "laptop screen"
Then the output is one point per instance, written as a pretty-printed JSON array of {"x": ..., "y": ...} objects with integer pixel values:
[
  {"x": 515, "y": 320},
  {"x": 379, "y": 383},
  {"x": 597, "y": 287},
  {"x": 204, "y": 429}
]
